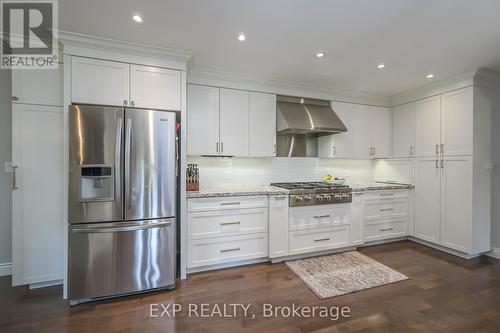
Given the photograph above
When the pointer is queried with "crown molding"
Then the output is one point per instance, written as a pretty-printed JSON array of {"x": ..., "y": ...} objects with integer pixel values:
[
  {"x": 262, "y": 84},
  {"x": 100, "y": 47},
  {"x": 481, "y": 77}
]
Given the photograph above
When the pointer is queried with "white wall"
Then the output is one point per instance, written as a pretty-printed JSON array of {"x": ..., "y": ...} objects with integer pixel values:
[
  {"x": 5, "y": 156},
  {"x": 496, "y": 175},
  {"x": 215, "y": 172}
]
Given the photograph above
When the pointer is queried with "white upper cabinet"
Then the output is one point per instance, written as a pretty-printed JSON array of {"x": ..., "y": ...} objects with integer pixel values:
[
  {"x": 99, "y": 81},
  {"x": 457, "y": 118},
  {"x": 427, "y": 126},
  {"x": 262, "y": 124},
  {"x": 403, "y": 130},
  {"x": 41, "y": 87},
  {"x": 381, "y": 132},
  {"x": 156, "y": 88},
  {"x": 234, "y": 122},
  {"x": 368, "y": 133},
  {"x": 202, "y": 120}
]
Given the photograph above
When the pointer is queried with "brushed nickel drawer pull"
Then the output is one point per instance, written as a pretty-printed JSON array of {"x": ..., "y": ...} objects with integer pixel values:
[
  {"x": 386, "y": 229},
  {"x": 229, "y": 203},
  {"x": 230, "y": 223},
  {"x": 386, "y": 194},
  {"x": 385, "y": 209},
  {"x": 230, "y": 250},
  {"x": 280, "y": 198},
  {"x": 322, "y": 239},
  {"x": 321, "y": 216}
]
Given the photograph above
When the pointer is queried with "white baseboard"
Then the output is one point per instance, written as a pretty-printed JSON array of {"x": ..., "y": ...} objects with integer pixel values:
[
  {"x": 5, "y": 269},
  {"x": 495, "y": 253}
]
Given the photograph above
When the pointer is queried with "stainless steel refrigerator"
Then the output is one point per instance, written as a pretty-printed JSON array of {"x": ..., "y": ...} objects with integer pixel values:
[{"x": 122, "y": 201}]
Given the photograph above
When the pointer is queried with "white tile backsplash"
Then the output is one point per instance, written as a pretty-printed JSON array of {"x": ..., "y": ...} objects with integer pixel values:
[
  {"x": 218, "y": 171},
  {"x": 394, "y": 170}
]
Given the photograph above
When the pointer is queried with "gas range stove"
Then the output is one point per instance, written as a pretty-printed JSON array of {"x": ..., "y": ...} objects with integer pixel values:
[{"x": 316, "y": 193}]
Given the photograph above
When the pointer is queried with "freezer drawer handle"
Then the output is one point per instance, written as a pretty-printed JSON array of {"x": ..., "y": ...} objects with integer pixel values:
[
  {"x": 230, "y": 223},
  {"x": 94, "y": 230},
  {"x": 230, "y": 250},
  {"x": 386, "y": 229},
  {"x": 321, "y": 216},
  {"x": 322, "y": 239}
]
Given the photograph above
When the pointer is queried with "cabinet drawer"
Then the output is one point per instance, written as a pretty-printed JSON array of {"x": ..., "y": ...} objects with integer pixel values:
[
  {"x": 226, "y": 249},
  {"x": 224, "y": 203},
  {"x": 318, "y": 240},
  {"x": 385, "y": 209},
  {"x": 387, "y": 229},
  {"x": 385, "y": 195},
  {"x": 227, "y": 222},
  {"x": 310, "y": 217}
]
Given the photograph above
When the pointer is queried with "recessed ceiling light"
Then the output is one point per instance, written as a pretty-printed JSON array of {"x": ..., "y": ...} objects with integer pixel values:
[
  {"x": 242, "y": 37},
  {"x": 137, "y": 18},
  {"x": 380, "y": 66},
  {"x": 429, "y": 76},
  {"x": 320, "y": 54}
]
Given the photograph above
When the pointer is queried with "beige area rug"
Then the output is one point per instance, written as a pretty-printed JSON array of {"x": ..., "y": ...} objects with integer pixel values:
[{"x": 343, "y": 273}]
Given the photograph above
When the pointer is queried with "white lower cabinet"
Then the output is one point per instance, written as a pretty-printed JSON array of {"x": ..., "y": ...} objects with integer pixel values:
[
  {"x": 306, "y": 241},
  {"x": 386, "y": 214},
  {"x": 37, "y": 195},
  {"x": 357, "y": 207},
  {"x": 278, "y": 226},
  {"x": 226, "y": 230}
]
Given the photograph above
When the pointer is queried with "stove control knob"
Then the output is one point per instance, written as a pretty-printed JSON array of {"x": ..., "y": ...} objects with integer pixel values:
[
  {"x": 319, "y": 198},
  {"x": 345, "y": 196},
  {"x": 307, "y": 198},
  {"x": 328, "y": 197},
  {"x": 298, "y": 199},
  {"x": 338, "y": 197}
]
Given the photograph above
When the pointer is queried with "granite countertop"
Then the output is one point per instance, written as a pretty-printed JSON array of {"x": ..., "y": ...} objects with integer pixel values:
[
  {"x": 380, "y": 186},
  {"x": 230, "y": 191}
]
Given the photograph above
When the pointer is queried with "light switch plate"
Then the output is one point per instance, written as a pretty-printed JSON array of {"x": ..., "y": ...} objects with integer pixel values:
[{"x": 8, "y": 167}]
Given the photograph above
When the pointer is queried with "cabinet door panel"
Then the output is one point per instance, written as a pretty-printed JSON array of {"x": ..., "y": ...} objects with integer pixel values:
[
  {"x": 155, "y": 88},
  {"x": 262, "y": 124},
  {"x": 427, "y": 126},
  {"x": 42, "y": 87},
  {"x": 381, "y": 131},
  {"x": 278, "y": 226},
  {"x": 456, "y": 203},
  {"x": 202, "y": 120},
  {"x": 338, "y": 145},
  {"x": 234, "y": 119},
  {"x": 99, "y": 81},
  {"x": 427, "y": 199},
  {"x": 457, "y": 122},
  {"x": 357, "y": 237},
  {"x": 402, "y": 131},
  {"x": 37, "y": 203}
]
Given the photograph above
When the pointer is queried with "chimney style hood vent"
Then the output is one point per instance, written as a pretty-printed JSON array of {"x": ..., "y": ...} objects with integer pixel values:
[{"x": 297, "y": 115}]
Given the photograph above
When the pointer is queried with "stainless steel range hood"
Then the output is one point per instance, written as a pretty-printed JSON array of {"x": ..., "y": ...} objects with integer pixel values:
[{"x": 297, "y": 115}]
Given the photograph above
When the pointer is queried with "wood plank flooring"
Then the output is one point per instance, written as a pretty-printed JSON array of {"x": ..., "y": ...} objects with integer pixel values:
[{"x": 444, "y": 294}]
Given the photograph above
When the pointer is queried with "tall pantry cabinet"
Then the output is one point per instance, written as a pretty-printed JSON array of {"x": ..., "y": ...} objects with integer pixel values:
[{"x": 453, "y": 169}]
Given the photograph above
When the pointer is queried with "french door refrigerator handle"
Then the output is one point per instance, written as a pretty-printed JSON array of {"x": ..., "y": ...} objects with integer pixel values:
[
  {"x": 128, "y": 134},
  {"x": 93, "y": 230},
  {"x": 118, "y": 162}
]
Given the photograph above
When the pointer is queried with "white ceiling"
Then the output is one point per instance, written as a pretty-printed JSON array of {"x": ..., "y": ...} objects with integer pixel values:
[{"x": 413, "y": 37}]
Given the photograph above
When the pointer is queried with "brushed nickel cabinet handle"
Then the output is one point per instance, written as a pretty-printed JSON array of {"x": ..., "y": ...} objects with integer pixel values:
[
  {"x": 274, "y": 149},
  {"x": 132, "y": 102},
  {"x": 386, "y": 229},
  {"x": 222, "y": 147},
  {"x": 386, "y": 194},
  {"x": 437, "y": 164},
  {"x": 321, "y": 216},
  {"x": 334, "y": 150},
  {"x": 442, "y": 148},
  {"x": 230, "y": 223},
  {"x": 217, "y": 147},
  {"x": 442, "y": 164},
  {"x": 14, "y": 180},
  {"x": 411, "y": 150},
  {"x": 385, "y": 209},
  {"x": 229, "y": 203},
  {"x": 15, "y": 98},
  {"x": 322, "y": 239},
  {"x": 437, "y": 149},
  {"x": 125, "y": 102},
  {"x": 230, "y": 250}
]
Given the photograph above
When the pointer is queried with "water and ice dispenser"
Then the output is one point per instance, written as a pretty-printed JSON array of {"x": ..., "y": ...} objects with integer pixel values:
[{"x": 97, "y": 183}]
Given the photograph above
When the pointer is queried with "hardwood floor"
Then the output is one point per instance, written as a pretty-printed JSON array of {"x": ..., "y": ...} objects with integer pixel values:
[{"x": 444, "y": 294}]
